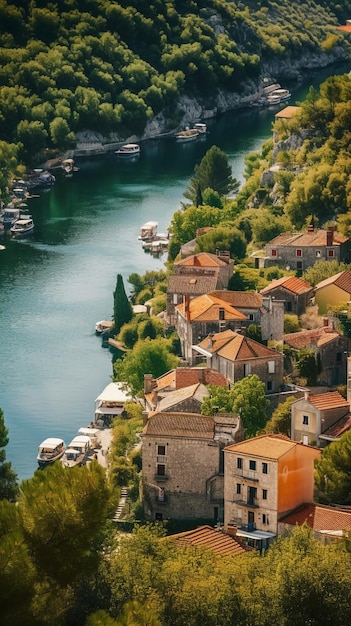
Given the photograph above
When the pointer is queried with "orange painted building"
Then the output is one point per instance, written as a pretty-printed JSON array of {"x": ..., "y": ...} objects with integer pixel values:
[{"x": 264, "y": 479}]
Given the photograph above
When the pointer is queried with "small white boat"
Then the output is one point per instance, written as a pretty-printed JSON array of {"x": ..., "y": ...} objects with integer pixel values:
[
  {"x": 68, "y": 167},
  {"x": 82, "y": 444},
  {"x": 278, "y": 95},
  {"x": 159, "y": 245},
  {"x": 73, "y": 457},
  {"x": 148, "y": 231},
  {"x": 189, "y": 134},
  {"x": 201, "y": 128},
  {"x": 10, "y": 215},
  {"x": 50, "y": 450},
  {"x": 128, "y": 150},
  {"x": 102, "y": 326},
  {"x": 93, "y": 434},
  {"x": 23, "y": 226}
]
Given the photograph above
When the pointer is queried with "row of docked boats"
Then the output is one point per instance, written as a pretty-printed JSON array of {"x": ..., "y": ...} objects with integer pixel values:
[
  {"x": 16, "y": 221},
  {"x": 151, "y": 240},
  {"x": 82, "y": 446},
  {"x": 191, "y": 134},
  {"x": 275, "y": 94}
]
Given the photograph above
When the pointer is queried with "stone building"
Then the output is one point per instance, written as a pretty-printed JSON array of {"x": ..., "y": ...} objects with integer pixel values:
[
  {"x": 265, "y": 478},
  {"x": 294, "y": 292},
  {"x": 183, "y": 464},
  {"x": 186, "y": 399},
  {"x": 236, "y": 356},
  {"x": 313, "y": 415},
  {"x": 298, "y": 251}
]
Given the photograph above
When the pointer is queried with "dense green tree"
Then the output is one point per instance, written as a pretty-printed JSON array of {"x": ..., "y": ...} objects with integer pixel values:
[
  {"x": 223, "y": 238},
  {"x": 185, "y": 223},
  {"x": 213, "y": 172},
  {"x": 122, "y": 309},
  {"x": 280, "y": 421},
  {"x": 308, "y": 365},
  {"x": 333, "y": 472},
  {"x": 322, "y": 270},
  {"x": 8, "y": 478},
  {"x": 149, "y": 356},
  {"x": 291, "y": 323}
]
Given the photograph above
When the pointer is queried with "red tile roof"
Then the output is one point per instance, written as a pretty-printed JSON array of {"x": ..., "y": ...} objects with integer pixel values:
[
  {"x": 185, "y": 376},
  {"x": 315, "y": 337},
  {"x": 339, "y": 428},
  {"x": 236, "y": 347},
  {"x": 192, "y": 284},
  {"x": 320, "y": 518},
  {"x": 239, "y": 299},
  {"x": 208, "y": 537},
  {"x": 191, "y": 425},
  {"x": 203, "y": 259},
  {"x": 307, "y": 239},
  {"x": 287, "y": 112},
  {"x": 206, "y": 309},
  {"x": 341, "y": 280},
  {"x": 328, "y": 400},
  {"x": 290, "y": 283}
]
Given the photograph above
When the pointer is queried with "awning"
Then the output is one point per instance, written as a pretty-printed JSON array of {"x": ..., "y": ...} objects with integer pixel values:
[{"x": 255, "y": 534}]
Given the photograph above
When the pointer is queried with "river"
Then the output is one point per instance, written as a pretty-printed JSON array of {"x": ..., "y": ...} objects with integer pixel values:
[{"x": 55, "y": 286}]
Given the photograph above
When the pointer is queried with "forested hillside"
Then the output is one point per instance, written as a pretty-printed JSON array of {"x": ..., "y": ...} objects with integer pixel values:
[{"x": 111, "y": 67}]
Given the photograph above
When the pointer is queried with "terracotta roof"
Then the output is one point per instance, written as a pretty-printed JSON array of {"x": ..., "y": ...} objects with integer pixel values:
[
  {"x": 312, "y": 238},
  {"x": 239, "y": 299},
  {"x": 171, "y": 398},
  {"x": 185, "y": 376},
  {"x": 328, "y": 400},
  {"x": 315, "y": 337},
  {"x": 265, "y": 446},
  {"x": 191, "y": 425},
  {"x": 206, "y": 308},
  {"x": 203, "y": 259},
  {"x": 235, "y": 347},
  {"x": 346, "y": 28},
  {"x": 341, "y": 280},
  {"x": 192, "y": 284},
  {"x": 290, "y": 283},
  {"x": 320, "y": 518},
  {"x": 208, "y": 537},
  {"x": 339, "y": 428},
  {"x": 288, "y": 112}
]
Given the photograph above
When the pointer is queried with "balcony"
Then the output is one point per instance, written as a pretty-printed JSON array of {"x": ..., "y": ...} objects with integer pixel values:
[
  {"x": 246, "y": 474},
  {"x": 238, "y": 523},
  {"x": 251, "y": 503},
  {"x": 160, "y": 478}
]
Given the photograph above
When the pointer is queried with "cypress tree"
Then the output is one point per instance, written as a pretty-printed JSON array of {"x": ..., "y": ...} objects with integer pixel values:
[{"x": 122, "y": 309}]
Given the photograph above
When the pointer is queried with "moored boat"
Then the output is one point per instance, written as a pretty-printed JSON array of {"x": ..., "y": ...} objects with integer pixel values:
[
  {"x": 9, "y": 216},
  {"x": 93, "y": 434},
  {"x": 128, "y": 150},
  {"x": 148, "y": 231},
  {"x": 201, "y": 128},
  {"x": 278, "y": 95},
  {"x": 73, "y": 457},
  {"x": 102, "y": 326},
  {"x": 50, "y": 450},
  {"x": 189, "y": 134},
  {"x": 23, "y": 226}
]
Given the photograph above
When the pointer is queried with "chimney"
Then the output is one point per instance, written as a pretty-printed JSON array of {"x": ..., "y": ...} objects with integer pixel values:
[
  {"x": 210, "y": 342},
  {"x": 325, "y": 322},
  {"x": 307, "y": 394},
  {"x": 310, "y": 228},
  {"x": 330, "y": 235},
  {"x": 186, "y": 308},
  {"x": 232, "y": 530},
  {"x": 149, "y": 383}
]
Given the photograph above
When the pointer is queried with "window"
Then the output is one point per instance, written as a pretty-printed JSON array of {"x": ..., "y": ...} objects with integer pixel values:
[
  {"x": 299, "y": 265},
  {"x": 251, "y": 317},
  {"x": 238, "y": 488},
  {"x": 338, "y": 357},
  {"x": 252, "y": 465},
  {"x": 305, "y": 420},
  {"x": 239, "y": 463},
  {"x": 264, "y": 468},
  {"x": 247, "y": 369},
  {"x": 161, "y": 450},
  {"x": 221, "y": 314},
  {"x": 161, "y": 469},
  {"x": 330, "y": 253},
  {"x": 288, "y": 306},
  {"x": 271, "y": 367},
  {"x": 298, "y": 252},
  {"x": 318, "y": 254},
  {"x": 269, "y": 386},
  {"x": 274, "y": 253},
  {"x": 264, "y": 494},
  {"x": 265, "y": 519}
]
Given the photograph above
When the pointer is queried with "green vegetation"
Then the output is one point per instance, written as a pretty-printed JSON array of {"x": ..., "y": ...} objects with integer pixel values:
[
  {"x": 8, "y": 478},
  {"x": 333, "y": 471},
  {"x": 122, "y": 309}
]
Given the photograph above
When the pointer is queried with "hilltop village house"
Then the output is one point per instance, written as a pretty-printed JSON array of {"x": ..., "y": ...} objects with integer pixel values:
[
  {"x": 317, "y": 419},
  {"x": 296, "y": 293},
  {"x": 265, "y": 478},
  {"x": 196, "y": 275},
  {"x": 298, "y": 251},
  {"x": 327, "y": 522},
  {"x": 330, "y": 347},
  {"x": 333, "y": 291},
  {"x": 236, "y": 356},
  {"x": 183, "y": 464}
]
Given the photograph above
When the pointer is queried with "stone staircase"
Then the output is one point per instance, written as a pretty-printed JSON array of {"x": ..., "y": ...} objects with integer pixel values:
[{"x": 121, "y": 505}]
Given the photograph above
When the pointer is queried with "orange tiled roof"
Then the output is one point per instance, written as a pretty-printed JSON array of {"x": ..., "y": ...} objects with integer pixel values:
[
  {"x": 306, "y": 239},
  {"x": 315, "y": 337},
  {"x": 192, "y": 425},
  {"x": 339, "y": 428},
  {"x": 265, "y": 446},
  {"x": 290, "y": 283},
  {"x": 320, "y": 518},
  {"x": 202, "y": 259},
  {"x": 206, "y": 309},
  {"x": 346, "y": 28},
  {"x": 208, "y": 537},
  {"x": 239, "y": 299},
  {"x": 341, "y": 280},
  {"x": 185, "y": 376},
  {"x": 288, "y": 112},
  {"x": 234, "y": 346},
  {"x": 192, "y": 284},
  {"x": 328, "y": 400}
]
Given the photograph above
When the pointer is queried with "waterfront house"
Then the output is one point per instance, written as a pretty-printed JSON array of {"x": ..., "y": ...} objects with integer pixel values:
[
  {"x": 265, "y": 478},
  {"x": 182, "y": 456},
  {"x": 186, "y": 399},
  {"x": 333, "y": 291},
  {"x": 313, "y": 416},
  {"x": 298, "y": 251},
  {"x": 110, "y": 402},
  {"x": 182, "y": 377},
  {"x": 235, "y": 356},
  {"x": 294, "y": 292}
]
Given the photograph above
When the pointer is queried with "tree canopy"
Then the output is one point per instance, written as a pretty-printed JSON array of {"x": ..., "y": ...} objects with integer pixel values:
[
  {"x": 122, "y": 309},
  {"x": 333, "y": 472}
]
